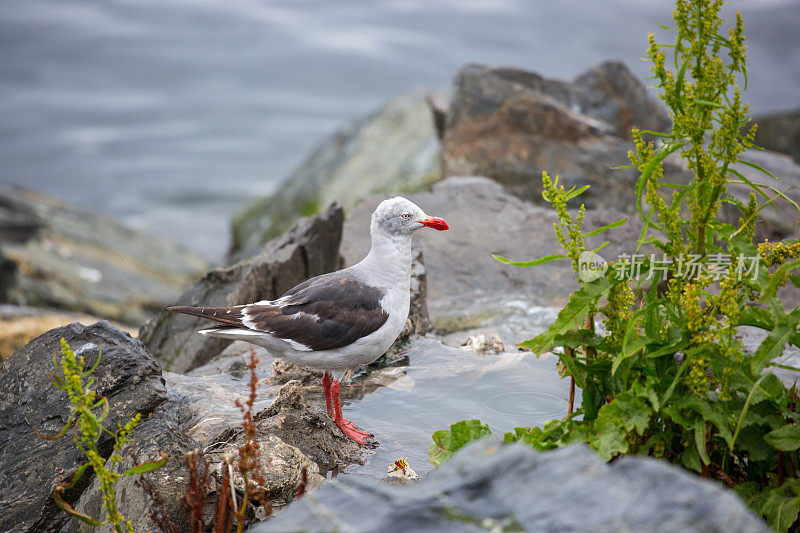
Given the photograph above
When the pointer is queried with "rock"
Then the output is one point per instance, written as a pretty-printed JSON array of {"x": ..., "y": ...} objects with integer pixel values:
[
  {"x": 310, "y": 430},
  {"x": 780, "y": 132},
  {"x": 52, "y": 255},
  {"x": 466, "y": 288},
  {"x": 30, "y": 466},
  {"x": 283, "y": 467},
  {"x": 510, "y": 125},
  {"x": 309, "y": 249},
  {"x": 490, "y": 486},
  {"x": 400, "y": 473},
  {"x": 481, "y": 344},
  {"x": 19, "y": 324},
  {"x": 392, "y": 150},
  {"x": 613, "y": 94}
]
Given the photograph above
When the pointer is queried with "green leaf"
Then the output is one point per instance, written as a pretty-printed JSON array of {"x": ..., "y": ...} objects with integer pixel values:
[
  {"x": 757, "y": 167},
  {"x": 447, "y": 442},
  {"x": 754, "y": 186},
  {"x": 691, "y": 459},
  {"x": 707, "y": 102},
  {"x": 700, "y": 441},
  {"x": 608, "y": 439},
  {"x": 756, "y": 316},
  {"x": 147, "y": 467},
  {"x": 535, "y": 262},
  {"x": 778, "y": 278},
  {"x": 746, "y": 406},
  {"x": 607, "y": 227},
  {"x": 776, "y": 340},
  {"x": 785, "y": 439},
  {"x": 571, "y": 316},
  {"x": 600, "y": 247},
  {"x": 780, "y": 507},
  {"x": 573, "y": 193},
  {"x": 679, "y": 84}
]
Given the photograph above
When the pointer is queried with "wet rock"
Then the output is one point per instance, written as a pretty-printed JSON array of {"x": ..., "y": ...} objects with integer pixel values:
[
  {"x": 392, "y": 150},
  {"x": 466, "y": 288},
  {"x": 310, "y": 430},
  {"x": 780, "y": 132},
  {"x": 30, "y": 466},
  {"x": 283, "y": 467},
  {"x": 482, "y": 344},
  {"x": 400, "y": 473},
  {"x": 283, "y": 372},
  {"x": 308, "y": 249},
  {"x": 489, "y": 486},
  {"x": 52, "y": 255}
]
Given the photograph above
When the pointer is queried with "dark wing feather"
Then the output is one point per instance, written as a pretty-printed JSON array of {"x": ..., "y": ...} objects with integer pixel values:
[
  {"x": 324, "y": 313},
  {"x": 230, "y": 316}
]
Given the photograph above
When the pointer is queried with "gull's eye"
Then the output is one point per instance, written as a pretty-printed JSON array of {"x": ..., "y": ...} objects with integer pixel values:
[{"x": 406, "y": 215}]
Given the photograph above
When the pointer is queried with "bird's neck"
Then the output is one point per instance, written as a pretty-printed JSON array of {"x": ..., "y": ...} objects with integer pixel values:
[{"x": 389, "y": 259}]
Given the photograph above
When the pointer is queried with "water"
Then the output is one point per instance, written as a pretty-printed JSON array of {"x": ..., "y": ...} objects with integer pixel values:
[
  {"x": 450, "y": 384},
  {"x": 437, "y": 386},
  {"x": 171, "y": 115}
]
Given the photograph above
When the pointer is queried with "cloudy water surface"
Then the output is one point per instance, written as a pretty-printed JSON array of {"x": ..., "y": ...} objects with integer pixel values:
[{"x": 171, "y": 115}]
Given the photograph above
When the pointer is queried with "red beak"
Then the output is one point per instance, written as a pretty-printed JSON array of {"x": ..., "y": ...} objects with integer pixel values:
[{"x": 435, "y": 223}]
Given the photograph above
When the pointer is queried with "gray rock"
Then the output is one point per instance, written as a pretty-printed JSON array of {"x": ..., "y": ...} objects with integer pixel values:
[
  {"x": 613, "y": 94},
  {"x": 294, "y": 443},
  {"x": 466, "y": 288},
  {"x": 392, "y": 150},
  {"x": 510, "y": 125},
  {"x": 310, "y": 248},
  {"x": 780, "y": 132},
  {"x": 490, "y": 486},
  {"x": 53, "y": 255},
  {"x": 30, "y": 466}
]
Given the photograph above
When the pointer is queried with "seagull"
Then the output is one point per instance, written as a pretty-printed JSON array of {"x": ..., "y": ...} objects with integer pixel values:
[{"x": 338, "y": 321}]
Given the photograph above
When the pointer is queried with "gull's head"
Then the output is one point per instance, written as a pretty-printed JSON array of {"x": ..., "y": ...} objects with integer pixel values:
[{"x": 398, "y": 217}]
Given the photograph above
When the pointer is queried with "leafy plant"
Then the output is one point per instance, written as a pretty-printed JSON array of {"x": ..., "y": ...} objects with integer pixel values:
[
  {"x": 448, "y": 442},
  {"x": 666, "y": 376},
  {"x": 88, "y": 413}
]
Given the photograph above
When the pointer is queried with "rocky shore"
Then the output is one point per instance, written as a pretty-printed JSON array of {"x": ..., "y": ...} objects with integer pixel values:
[{"x": 474, "y": 156}]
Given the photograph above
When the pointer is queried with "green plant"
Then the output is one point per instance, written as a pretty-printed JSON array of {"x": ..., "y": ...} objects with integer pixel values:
[
  {"x": 88, "y": 413},
  {"x": 666, "y": 376}
]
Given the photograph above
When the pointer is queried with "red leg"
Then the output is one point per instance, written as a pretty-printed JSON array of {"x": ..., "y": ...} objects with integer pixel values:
[
  {"x": 345, "y": 425},
  {"x": 326, "y": 386}
]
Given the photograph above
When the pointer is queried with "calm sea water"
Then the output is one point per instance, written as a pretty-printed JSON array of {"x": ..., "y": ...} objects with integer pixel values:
[{"x": 171, "y": 115}]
